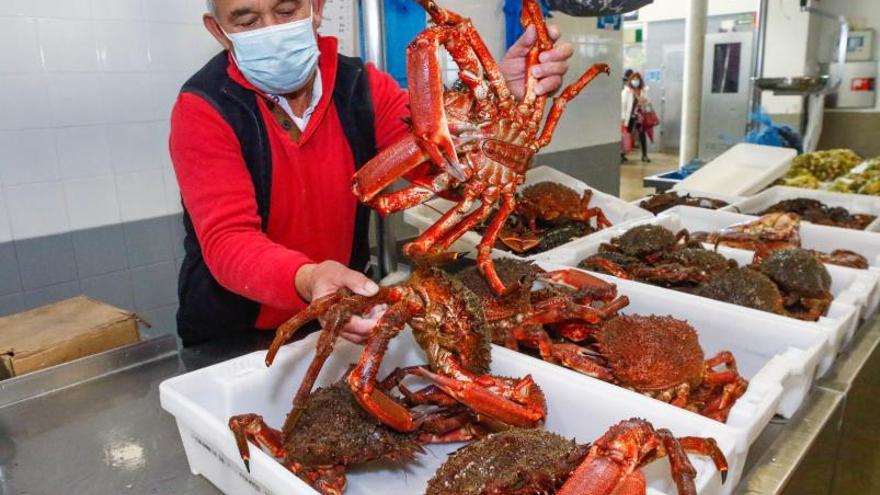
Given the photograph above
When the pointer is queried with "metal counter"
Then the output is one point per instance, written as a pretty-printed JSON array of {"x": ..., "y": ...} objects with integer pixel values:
[{"x": 108, "y": 435}]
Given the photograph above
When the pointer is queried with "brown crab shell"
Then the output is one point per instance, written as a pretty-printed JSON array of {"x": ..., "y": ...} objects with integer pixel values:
[
  {"x": 744, "y": 287},
  {"x": 550, "y": 201},
  {"x": 644, "y": 240},
  {"x": 513, "y": 462},
  {"x": 651, "y": 353},
  {"x": 513, "y": 273},
  {"x": 334, "y": 430},
  {"x": 453, "y": 321},
  {"x": 797, "y": 271}
]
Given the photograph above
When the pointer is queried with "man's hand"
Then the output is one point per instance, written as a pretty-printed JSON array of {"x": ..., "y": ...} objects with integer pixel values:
[
  {"x": 553, "y": 66},
  {"x": 316, "y": 281}
]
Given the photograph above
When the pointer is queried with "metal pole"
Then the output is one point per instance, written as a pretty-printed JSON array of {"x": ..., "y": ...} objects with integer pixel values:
[
  {"x": 374, "y": 48},
  {"x": 694, "y": 41},
  {"x": 758, "y": 59}
]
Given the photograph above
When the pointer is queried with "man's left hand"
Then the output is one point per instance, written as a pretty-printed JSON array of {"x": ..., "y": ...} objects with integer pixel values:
[{"x": 553, "y": 64}]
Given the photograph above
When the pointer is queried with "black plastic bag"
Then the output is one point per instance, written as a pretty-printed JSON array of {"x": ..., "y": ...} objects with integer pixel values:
[{"x": 596, "y": 8}]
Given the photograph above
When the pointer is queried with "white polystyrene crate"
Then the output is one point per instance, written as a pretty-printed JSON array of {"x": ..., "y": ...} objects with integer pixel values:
[
  {"x": 838, "y": 325},
  {"x": 617, "y": 211},
  {"x": 742, "y": 170},
  {"x": 779, "y": 358},
  {"x": 818, "y": 237},
  {"x": 203, "y": 401},
  {"x": 855, "y": 203}
]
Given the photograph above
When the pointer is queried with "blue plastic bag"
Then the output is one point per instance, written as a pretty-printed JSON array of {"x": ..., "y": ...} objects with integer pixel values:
[{"x": 770, "y": 134}]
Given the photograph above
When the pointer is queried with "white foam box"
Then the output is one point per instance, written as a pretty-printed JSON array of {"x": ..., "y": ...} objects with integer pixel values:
[
  {"x": 818, "y": 237},
  {"x": 742, "y": 170},
  {"x": 202, "y": 402},
  {"x": 617, "y": 211},
  {"x": 855, "y": 203},
  {"x": 838, "y": 325},
  {"x": 779, "y": 358}
]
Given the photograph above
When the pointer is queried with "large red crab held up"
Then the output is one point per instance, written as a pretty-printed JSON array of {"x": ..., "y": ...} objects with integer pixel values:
[{"x": 476, "y": 141}]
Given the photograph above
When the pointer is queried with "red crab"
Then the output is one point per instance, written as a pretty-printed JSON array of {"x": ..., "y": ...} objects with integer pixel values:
[
  {"x": 776, "y": 231},
  {"x": 551, "y": 204},
  {"x": 525, "y": 462},
  {"x": 571, "y": 302},
  {"x": 472, "y": 144},
  {"x": 660, "y": 357},
  {"x": 449, "y": 325}
]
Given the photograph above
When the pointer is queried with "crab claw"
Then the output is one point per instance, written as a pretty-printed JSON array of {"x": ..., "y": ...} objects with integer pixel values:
[{"x": 513, "y": 402}]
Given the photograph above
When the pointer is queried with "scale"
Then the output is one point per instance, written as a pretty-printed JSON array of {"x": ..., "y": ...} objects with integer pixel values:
[{"x": 340, "y": 21}]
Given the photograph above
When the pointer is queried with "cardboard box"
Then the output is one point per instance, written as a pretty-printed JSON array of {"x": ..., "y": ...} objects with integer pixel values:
[{"x": 62, "y": 332}]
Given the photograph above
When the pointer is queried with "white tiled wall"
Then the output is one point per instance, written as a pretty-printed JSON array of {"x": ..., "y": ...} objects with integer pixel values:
[{"x": 86, "y": 90}]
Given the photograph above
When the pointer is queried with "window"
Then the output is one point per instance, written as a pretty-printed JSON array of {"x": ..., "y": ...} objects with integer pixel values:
[{"x": 726, "y": 67}]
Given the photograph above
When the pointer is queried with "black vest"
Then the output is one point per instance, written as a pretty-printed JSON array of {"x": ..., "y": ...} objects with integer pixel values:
[{"x": 207, "y": 310}]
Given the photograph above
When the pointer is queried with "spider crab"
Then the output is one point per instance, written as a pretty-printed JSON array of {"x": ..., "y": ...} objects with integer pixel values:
[
  {"x": 523, "y": 462},
  {"x": 448, "y": 323},
  {"x": 473, "y": 143},
  {"x": 772, "y": 232},
  {"x": 572, "y": 302},
  {"x": 552, "y": 205},
  {"x": 333, "y": 432},
  {"x": 659, "y": 357},
  {"x": 656, "y": 255}
]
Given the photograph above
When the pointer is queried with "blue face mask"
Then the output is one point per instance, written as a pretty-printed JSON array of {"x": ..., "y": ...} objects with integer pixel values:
[
  {"x": 278, "y": 59},
  {"x": 636, "y": 83}
]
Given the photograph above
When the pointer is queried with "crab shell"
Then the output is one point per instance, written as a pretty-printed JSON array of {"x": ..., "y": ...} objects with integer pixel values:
[
  {"x": 513, "y": 273},
  {"x": 513, "y": 462},
  {"x": 651, "y": 353},
  {"x": 644, "y": 240},
  {"x": 334, "y": 430},
  {"x": 744, "y": 287},
  {"x": 549, "y": 201},
  {"x": 797, "y": 271}
]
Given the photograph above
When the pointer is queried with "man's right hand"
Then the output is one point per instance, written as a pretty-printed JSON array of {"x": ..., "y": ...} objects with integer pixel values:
[{"x": 322, "y": 279}]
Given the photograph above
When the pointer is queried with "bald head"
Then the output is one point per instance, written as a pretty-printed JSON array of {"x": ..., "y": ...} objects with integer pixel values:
[{"x": 236, "y": 16}]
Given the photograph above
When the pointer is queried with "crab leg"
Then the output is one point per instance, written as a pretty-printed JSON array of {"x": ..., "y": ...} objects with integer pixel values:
[
  {"x": 532, "y": 16},
  {"x": 362, "y": 379},
  {"x": 484, "y": 249},
  {"x": 410, "y": 196},
  {"x": 613, "y": 464},
  {"x": 388, "y": 166},
  {"x": 580, "y": 359},
  {"x": 444, "y": 17},
  {"x": 493, "y": 396},
  {"x": 590, "y": 285},
  {"x": 337, "y": 314},
  {"x": 426, "y": 242},
  {"x": 562, "y": 100},
  {"x": 252, "y": 427}
]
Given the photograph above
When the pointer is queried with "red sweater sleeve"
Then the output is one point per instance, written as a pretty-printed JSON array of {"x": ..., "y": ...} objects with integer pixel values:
[
  {"x": 390, "y": 103},
  {"x": 219, "y": 195}
]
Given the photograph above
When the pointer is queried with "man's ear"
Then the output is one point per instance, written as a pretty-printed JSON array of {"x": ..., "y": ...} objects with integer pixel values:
[
  {"x": 213, "y": 27},
  {"x": 318, "y": 12}
]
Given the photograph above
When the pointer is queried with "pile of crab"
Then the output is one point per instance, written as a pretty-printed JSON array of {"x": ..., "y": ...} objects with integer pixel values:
[
  {"x": 782, "y": 278},
  {"x": 365, "y": 418},
  {"x": 817, "y": 212}
]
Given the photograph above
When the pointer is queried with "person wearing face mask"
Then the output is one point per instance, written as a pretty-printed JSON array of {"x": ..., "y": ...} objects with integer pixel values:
[
  {"x": 633, "y": 103},
  {"x": 265, "y": 139}
]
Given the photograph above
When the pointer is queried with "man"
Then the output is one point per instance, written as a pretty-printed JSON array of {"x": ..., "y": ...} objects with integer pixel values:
[{"x": 265, "y": 140}]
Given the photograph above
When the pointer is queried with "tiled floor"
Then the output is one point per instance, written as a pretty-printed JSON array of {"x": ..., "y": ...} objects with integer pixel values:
[{"x": 632, "y": 172}]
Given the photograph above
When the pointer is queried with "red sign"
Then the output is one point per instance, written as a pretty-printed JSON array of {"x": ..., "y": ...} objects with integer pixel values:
[{"x": 863, "y": 84}]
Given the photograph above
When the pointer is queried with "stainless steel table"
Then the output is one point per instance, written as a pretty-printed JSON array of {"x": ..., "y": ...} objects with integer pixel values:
[{"x": 109, "y": 435}]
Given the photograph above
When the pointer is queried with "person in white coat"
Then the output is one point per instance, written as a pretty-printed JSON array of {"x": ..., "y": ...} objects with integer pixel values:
[{"x": 633, "y": 99}]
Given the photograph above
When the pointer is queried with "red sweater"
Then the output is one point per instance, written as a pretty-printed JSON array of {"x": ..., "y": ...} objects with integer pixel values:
[{"x": 312, "y": 208}]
